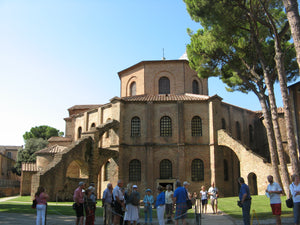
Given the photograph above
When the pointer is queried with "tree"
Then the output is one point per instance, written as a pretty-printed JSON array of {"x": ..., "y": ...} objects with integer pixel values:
[
  {"x": 236, "y": 44},
  {"x": 27, "y": 153},
  {"x": 44, "y": 132},
  {"x": 35, "y": 140},
  {"x": 292, "y": 11}
]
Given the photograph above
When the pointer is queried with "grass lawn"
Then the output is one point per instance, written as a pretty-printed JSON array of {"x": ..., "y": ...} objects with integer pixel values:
[{"x": 260, "y": 203}]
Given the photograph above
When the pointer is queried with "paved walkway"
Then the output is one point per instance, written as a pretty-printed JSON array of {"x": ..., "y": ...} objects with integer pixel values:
[{"x": 206, "y": 219}]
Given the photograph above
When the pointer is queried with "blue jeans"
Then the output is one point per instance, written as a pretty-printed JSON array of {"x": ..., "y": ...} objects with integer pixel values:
[
  {"x": 148, "y": 211},
  {"x": 246, "y": 212},
  {"x": 296, "y": 211}
]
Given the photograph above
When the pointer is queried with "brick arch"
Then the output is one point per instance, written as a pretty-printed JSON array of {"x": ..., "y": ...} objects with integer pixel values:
[
  {"x": 86, "y": 155},
  {"x": 128, "y": 84},
  {"x": 248, "y": 159}
]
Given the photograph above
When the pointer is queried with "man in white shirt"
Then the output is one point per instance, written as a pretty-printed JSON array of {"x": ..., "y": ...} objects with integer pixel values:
[
  {"x": 273, "y": 192},
  {"x": 118, "y": 202}
]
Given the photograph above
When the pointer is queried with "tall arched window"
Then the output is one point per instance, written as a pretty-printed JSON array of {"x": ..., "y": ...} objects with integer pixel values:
[
  {"x": 164, "y": 85},
  {"x": 196, "y": 124},
  {"x": 238, "y": 130},
  {"x": 135, "y": 170},
  {"x": 226, "y": 172},
  {"x": 223, "y": 124},
  {"x": 165, "y": 169},
  {"x": 106, "y": 171},
  {"x": 251, "y": 134},
  {"x": 165, "y": 126},
  {"x": 132, "y": 89},
  {"x": 197, "y": 170},
  {"x": 195, "y": 87},
  {"x": 79, "y": 132},
  {"x": 135, "y": 127}
]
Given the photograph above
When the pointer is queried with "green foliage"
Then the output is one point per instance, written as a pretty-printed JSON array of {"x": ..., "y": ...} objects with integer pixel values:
[
  {"x": 236, "y": 42},
  {"x": 44, "y": 132},
  {"x": 27, "y": 154},
  {"x": 35, "y": 140}
]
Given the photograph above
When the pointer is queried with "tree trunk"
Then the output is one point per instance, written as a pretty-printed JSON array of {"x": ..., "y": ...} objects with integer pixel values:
[
  {"x": 287, "y": 112},
  {"x": 291, "y": 7},
  {"x": 278, "y": 139},
  {"x": 270, "y": 136}
]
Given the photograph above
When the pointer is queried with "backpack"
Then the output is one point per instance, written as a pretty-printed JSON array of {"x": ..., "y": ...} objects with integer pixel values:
[{"x": 135, "y": 198}]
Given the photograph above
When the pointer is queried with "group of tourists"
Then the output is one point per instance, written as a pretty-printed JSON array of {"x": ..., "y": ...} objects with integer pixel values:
[{"x": 121, "y": 205}]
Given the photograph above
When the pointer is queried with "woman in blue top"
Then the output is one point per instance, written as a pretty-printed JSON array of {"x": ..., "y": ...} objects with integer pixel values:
[
  {"x": 160, "y": 205},
  {"x": 148, "y": 200}
]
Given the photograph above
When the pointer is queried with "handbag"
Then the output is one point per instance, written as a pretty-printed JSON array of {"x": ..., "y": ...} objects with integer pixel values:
[
  {"x": 189, "y": 203},
  {"x": 74, "y": 206},
  {"x": 289, "y": 203},
  {"x": 34, "y": 202},
  {"x": 240, "y": 204}
]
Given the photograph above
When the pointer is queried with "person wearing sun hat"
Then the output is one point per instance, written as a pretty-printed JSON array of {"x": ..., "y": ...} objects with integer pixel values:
[{"x": 148, "y": 201}]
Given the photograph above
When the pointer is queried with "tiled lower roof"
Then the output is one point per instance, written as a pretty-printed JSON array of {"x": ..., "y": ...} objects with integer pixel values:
[
  {"x": 29, "y": 167},
  {"x": 59, "y": 139},
  {"x": 51, "y": 150},
  {"x": 166, "y": 97}
]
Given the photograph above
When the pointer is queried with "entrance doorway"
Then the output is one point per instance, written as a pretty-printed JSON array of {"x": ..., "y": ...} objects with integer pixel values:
[{"x": 165, "y": 182}]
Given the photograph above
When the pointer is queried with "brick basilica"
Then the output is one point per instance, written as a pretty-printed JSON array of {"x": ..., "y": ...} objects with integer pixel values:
[{"x": 163, "y": 127}]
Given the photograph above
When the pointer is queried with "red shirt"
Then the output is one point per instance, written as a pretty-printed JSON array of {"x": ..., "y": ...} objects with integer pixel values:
[{"x": 41, "y": 199}]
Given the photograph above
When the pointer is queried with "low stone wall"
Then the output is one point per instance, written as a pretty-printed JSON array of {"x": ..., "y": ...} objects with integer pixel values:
[{"x": 9, "y": 191}]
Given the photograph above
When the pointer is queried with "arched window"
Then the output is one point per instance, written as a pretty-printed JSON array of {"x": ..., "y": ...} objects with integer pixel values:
[
  {"x": 164, "y": 85},
  {"x": 165, "y": 126},
  {"x": 238, "y": 130},
  {"x": 135, "y": 127},
  {"x": 132, "y": 89},
  {"x": 165, "y": 169},
  {"x": 223, "y": 124},
  {"x": 226, "y": 175},
  {"x": 251, "y": 134},
  {"x": 106, "y": 171},
  {"x": 197, "y": 170},
  {"x": 196, "y": 126},
  {"x": 195, "y": 87},
  {"x": 93, "y": 125},
  {"x": 135, "y": 170},
  {"x": 79, "y": 132}
]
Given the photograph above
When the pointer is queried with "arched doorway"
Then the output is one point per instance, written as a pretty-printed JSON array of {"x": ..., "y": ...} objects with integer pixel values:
[
  {"x": 228, "y": 170},
  {"x": 252, "y": 183}
]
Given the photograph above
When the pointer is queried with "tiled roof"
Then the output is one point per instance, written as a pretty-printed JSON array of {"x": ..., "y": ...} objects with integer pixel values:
[
  {"x": 51, "y": 150},
  {"x": 59, "y": 139},
  {"x": 84, "y": 106},
  {"x": 166, "y": 97},
  {"x": 29, "y": 167}
]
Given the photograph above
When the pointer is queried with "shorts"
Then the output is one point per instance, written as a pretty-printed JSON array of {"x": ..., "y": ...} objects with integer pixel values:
[
  {"x": 169, "y": 209},
  {"x": 118, "y": 208},
  {"x": 214, "y": 201},
  {"x": 276, "y": 209},
  {"x": 79, "y": 210},
  {"x": 204, "y": 201}
]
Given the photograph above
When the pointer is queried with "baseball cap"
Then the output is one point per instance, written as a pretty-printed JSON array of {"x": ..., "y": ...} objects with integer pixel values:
[
  {"x": 81, "y": 183},
  {"x": 186, "y": 183},
  {"x": 134, "y": 186}
]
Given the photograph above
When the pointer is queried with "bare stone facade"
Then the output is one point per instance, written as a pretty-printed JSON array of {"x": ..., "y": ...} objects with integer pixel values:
[{"x": 163, "y": 127}]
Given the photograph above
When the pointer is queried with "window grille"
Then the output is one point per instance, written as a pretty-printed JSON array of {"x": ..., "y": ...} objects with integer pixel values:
[
  {"x": 135, "y": 170},
  {"x": 135, "y": 127},
  {"x": 165, "y": 126},
  {"x": 197, "y": 170},
  {"x": 165, "y": 169},
  {"x": 195, "y": 87},
  {"x": 164, "y": 85},
  {"x": 196, "y": 126}
]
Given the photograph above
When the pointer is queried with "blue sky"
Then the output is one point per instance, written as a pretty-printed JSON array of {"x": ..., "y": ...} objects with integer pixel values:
[{"x": 58, "y": 53}]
